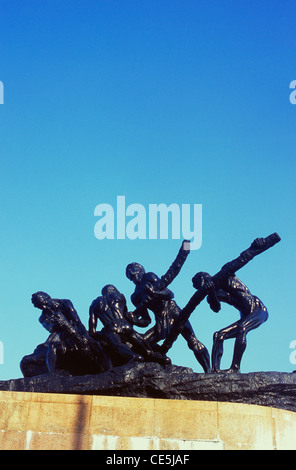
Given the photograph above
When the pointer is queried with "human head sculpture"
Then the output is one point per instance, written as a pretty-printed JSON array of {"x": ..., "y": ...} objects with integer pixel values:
[
  {"x": 135, "y": 272},
  {"x": 109, "y": 289},
  {"x": 40, "y": 299},
  {"x": 204, "y": 280},
  {"x": 201, "y": 279}
]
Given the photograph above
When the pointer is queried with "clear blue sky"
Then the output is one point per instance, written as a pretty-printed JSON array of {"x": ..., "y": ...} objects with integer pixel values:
[{"x": 165, "y": 101}]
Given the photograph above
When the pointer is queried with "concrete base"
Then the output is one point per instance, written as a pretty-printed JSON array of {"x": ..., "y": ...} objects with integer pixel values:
[{"x": 41, "y": 421}]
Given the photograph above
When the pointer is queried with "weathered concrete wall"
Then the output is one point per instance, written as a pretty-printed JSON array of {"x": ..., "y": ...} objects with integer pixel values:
[{"x": 56, "y": 421}]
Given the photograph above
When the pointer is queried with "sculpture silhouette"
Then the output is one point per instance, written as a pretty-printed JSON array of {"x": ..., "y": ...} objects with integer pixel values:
[
  {"x": 69, "y": 346},
  {"x": 225, "y": 286},
  {"x": 123, "y": 342},
  {"x": 151, "y": 292}
]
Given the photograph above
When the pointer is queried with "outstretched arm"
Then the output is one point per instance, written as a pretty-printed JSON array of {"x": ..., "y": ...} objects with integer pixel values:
[
  {"x": 258, "y": 246},
  {"x": 175, "y": 267}
]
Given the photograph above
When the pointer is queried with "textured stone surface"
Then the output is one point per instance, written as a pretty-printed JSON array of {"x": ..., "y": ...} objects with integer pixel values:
[
  {"x": 49, "y": 421},
  {"x": 148, "y": 380}
]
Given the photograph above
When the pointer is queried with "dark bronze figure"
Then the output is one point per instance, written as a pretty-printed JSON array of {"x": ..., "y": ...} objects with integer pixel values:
[
  {"x": 225, "y": 286},
  {"x": 69, "y": 346},
  {"x": 123, "y": 342},
  {"x": 252, "y": 312},
  {"x": 151, "y": 293}
]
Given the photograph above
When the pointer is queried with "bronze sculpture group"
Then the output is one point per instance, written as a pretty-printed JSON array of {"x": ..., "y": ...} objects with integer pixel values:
[{"x": 71, "y": 347}]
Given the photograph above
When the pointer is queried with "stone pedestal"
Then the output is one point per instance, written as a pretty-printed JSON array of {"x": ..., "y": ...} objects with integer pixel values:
[{"x": 49, "y": 421}]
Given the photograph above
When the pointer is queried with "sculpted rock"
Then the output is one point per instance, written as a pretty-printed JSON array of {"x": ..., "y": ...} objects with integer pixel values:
[{"x": 151, "y": 380}]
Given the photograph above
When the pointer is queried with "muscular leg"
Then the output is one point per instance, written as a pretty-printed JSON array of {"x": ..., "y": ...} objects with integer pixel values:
[
  {"x": 239, "y": 331},
  {"x": 51, "y": 357},
  {"x": 248, "y": 324},
  {"x": 139, "y": 342},
  {"x": 199, "y": 350},
  {"x": 151, "y": 336},
  {"x": 122, "y": 349},
  {"x": 218, "y": 340},
  {"x": 147, "y": 352}
]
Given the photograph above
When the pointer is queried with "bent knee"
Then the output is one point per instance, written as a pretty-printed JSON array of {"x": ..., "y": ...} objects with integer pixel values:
[
  {"x": 196, "y": 345},
  {"x": 242, "y": 330},
  {"x": 218, "y": 337}
]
